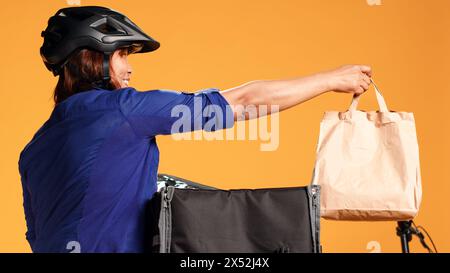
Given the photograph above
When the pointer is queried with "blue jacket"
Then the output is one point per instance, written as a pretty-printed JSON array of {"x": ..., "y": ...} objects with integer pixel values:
[{"x": 89, "y": 171}]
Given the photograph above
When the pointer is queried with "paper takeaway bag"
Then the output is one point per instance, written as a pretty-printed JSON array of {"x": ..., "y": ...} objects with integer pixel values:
[{"x": 368, "y": 164}]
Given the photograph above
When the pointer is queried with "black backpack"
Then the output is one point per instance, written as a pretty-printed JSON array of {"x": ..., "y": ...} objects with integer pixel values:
[{"x": 188, "y": 217}]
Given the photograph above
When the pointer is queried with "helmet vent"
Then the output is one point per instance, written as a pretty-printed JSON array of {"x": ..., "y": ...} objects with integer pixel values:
[{"x": 106, "y": 27}]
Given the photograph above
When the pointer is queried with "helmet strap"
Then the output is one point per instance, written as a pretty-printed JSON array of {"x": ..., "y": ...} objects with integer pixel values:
[{"x": 106, "y": 78}]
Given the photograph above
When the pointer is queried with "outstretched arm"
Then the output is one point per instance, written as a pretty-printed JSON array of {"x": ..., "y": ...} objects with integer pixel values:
[{"x": 286, "y": 93}]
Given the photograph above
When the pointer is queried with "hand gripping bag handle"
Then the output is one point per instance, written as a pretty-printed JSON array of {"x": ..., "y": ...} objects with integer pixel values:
[{"x": 381, "y": 103}]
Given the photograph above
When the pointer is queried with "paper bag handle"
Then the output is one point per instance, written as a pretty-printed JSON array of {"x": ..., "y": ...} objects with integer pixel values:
[{"x": 381, "y": 103}]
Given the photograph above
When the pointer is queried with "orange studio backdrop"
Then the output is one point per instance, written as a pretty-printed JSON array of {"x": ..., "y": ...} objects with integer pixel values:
[{"x": 224, "y": 44}]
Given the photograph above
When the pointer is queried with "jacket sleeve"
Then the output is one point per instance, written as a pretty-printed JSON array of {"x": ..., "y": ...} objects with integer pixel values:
[{"x": 163, "y": 112}]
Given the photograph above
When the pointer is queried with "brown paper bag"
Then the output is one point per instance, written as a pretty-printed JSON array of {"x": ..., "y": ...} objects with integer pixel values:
[{"x": 368, "y": 164}]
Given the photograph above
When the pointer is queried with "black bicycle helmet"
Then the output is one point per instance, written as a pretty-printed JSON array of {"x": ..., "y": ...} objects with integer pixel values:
[{"x": 91, "y": 27}]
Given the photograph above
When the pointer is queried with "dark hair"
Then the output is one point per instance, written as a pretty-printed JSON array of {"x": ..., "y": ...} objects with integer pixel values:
[{"x": 80, "y": 73}]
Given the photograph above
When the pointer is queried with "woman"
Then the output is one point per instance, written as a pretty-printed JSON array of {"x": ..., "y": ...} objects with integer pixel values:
[{"x": 91, "y": 168}]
